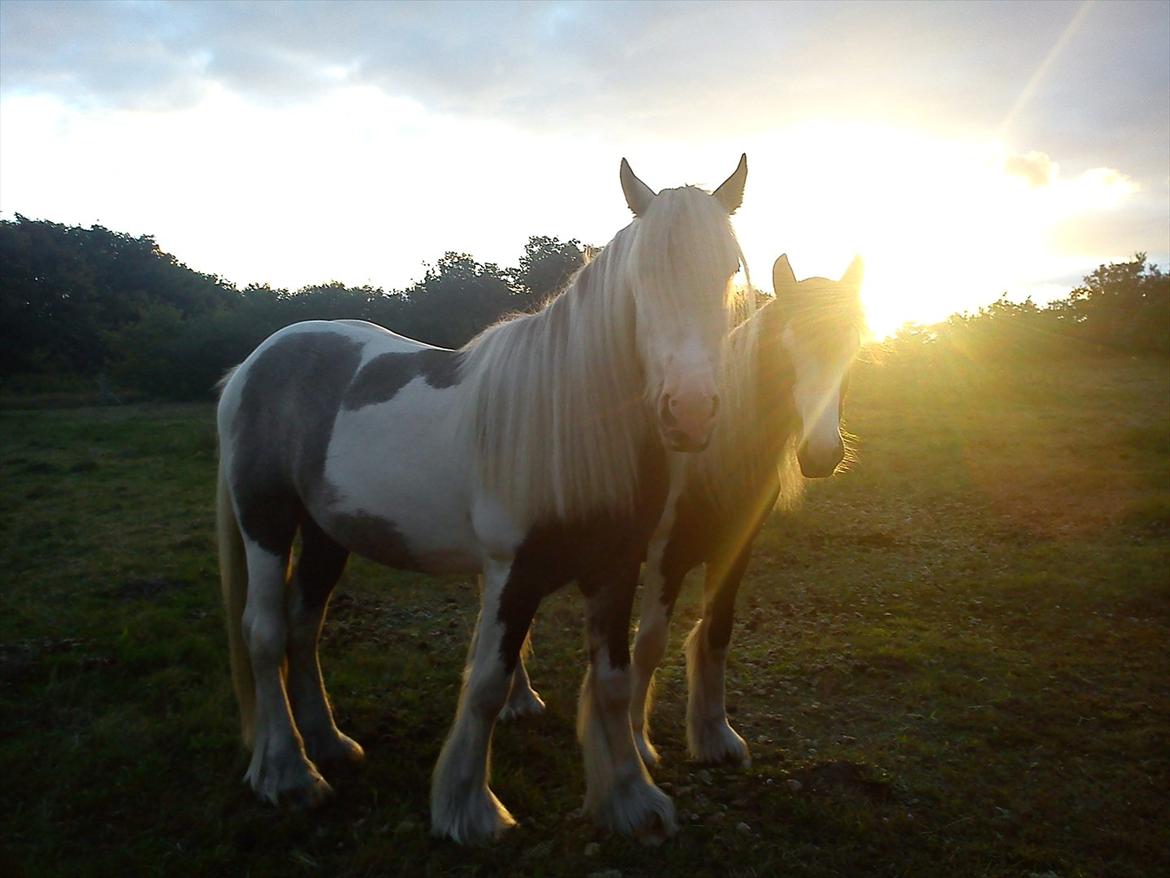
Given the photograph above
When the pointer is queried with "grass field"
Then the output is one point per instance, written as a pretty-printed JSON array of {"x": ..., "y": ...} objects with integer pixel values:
[{"x": 953, "y": 660}]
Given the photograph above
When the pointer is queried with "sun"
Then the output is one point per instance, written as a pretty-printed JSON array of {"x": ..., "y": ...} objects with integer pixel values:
[
  {"x": 944, "y": 229},
  {"x": 943, "y": 224}
]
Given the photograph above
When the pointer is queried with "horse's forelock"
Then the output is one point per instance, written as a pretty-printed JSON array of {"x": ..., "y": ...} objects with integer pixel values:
[
  {"x": 825, "y": 309},
  {"x": 682, "y": 261}
]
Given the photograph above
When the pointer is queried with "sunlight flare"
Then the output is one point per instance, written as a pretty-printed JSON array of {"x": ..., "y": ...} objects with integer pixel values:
[{"x": 945, "y": 225}]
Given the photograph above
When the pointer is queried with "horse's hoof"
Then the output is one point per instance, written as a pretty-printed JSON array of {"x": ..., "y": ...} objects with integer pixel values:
[
  {"x": 719, "y": 743},
  {"x": 528, "y": 704},
  {"x": 476, "y": 818},
  {"x": 657, "y": 826},
  {"x": 338, "y": 751},
  {"x": 637, "y": 808},
  {"x": 307, "y": 798},
  {"x": 290, "y": 782}
]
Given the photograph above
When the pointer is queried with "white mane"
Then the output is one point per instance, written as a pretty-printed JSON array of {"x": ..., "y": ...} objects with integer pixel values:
[
  {"x": 557, "y": 400},
  {"x": 757, "y": 435}
]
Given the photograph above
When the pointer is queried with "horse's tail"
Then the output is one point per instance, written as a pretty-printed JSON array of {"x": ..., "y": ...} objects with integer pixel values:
[{"x": 233, "y": 578}]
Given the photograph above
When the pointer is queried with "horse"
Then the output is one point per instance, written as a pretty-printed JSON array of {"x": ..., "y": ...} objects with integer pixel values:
[
  {"x": 783, "y": 385},
  {"x": 534, "y": 456}
]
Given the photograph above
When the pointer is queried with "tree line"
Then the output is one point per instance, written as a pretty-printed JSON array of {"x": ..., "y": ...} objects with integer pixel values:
[
  {"x": 1120, "y": 307},
  {"x": 89, "y": 302},
  {"x": 86, "y": 302}
]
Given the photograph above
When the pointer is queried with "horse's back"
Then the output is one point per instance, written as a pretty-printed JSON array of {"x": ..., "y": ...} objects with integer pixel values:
[
  {"x": 340, "y": 333},
  {"x": 387, "y": 337},
  {"x": 325, "y": 355}
]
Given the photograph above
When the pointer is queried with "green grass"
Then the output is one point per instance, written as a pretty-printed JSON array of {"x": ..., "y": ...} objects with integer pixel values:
[{"x": 958, "y": 651}]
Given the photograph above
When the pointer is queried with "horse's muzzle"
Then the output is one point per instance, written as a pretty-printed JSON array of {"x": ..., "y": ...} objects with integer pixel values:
[
  {"x": 819, "y": 465},
  {"x": 676, "y": 440},
  {"x": 687, "y": 420}
]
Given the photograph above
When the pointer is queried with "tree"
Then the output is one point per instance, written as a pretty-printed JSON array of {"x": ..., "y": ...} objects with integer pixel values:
[
  {"x": 1126, "y": 304},
  {"x": 546, "y": 267},
  {"x": 64, "y": 289},
  {"x": 456, "y": 298}
]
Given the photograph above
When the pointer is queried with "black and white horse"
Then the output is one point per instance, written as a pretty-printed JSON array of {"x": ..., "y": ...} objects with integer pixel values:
[
  {"x": 782, "y": 385},
  {"x": 536, "y": 455}
]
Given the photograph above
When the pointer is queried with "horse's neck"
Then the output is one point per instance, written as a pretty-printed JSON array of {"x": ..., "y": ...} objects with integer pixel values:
[
  {"x": 775, "y": 379},
  {"x": 750, "y": 463},
  {"x": 546, "y": 400},
  {"x": 766, "y": 417}
]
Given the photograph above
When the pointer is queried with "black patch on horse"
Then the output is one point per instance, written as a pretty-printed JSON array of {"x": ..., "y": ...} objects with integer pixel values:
[
  {"x": 380, "y": 380},
  {"x": 439, "y": 367},
  {"x": 320, "y": 565},
  {"x": 720, "y": 606},
  {"x": 376, "y": 538},
  {"x": 602, "y": 553},
  {"x": 382, "y": 377},
  {"x": 289, "y": 401},
  {"x": 690, "y": 542},
  {"x": 552, "y": 555}
]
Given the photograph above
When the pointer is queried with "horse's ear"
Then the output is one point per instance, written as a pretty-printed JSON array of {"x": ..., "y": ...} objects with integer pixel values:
[
  {"x": 783, "y": 278},
  {"x": 730, "y": 192},
  {"x": 854, "y": 273},
  {"x": 638, "y": 194}
]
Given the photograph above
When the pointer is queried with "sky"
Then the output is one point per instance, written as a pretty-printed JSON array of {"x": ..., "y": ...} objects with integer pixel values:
[{"x": 964, "y": 150}]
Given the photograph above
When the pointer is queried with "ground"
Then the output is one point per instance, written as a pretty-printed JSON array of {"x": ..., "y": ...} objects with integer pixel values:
[{"x": 951, "y": 659}]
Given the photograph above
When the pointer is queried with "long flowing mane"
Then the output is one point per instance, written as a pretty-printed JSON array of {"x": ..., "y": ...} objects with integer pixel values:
[
  {"x": 755, "y": 442},
  {"x": 557, "y": 400}
]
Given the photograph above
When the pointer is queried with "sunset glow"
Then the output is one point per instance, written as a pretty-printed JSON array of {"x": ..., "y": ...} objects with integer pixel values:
[
  {"x": 1005, "y": 149},
  {"x": 943, "y": 225}
]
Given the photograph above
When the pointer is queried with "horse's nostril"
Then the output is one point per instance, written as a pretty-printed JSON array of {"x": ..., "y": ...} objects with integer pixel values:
[
  {"x": 714, "y": 405},
  {"x": 666, "y": 411}
]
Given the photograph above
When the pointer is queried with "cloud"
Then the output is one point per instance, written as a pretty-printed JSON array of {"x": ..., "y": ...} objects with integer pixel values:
[
  {"x": 1104, "y": 187},
  {"x": 705, "y": 70},
  {"x": 1034, "y": 167},
  {"x": 1109, "y": 178},
  {"x": 550, "y": 60},
  {"x": 459, "y": 57}
]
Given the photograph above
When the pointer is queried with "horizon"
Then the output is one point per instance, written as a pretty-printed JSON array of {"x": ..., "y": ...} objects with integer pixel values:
[{"x": 1009, "y": 149}]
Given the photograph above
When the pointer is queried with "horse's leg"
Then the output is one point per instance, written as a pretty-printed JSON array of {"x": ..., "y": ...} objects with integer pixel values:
[
  {"x": 619, "y": 792},
  {"x": 710, "y": 737},
  {"x": 522, "y": 698},
  {"x": 462, "y": 805},
  {"x": 279, "y": 770},
  {"x": 658, "y": 598},
  {"x": 317, "y": 572}
]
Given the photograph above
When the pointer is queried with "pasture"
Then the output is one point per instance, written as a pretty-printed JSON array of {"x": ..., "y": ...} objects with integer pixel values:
[{"x": 953, "y": 659}]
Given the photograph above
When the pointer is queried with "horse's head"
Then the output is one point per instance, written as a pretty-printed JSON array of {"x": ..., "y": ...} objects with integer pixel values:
[
  {"x": 681, "y": 262},
  {"x": 822, "y": 334}
]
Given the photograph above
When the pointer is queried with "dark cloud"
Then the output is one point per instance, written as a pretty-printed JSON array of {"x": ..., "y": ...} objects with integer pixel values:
[{"x": 671, "y": 69}]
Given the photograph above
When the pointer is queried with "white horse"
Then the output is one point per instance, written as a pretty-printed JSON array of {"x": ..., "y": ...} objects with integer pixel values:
[
  {"x": 783, "y": 383},
  {"x": 535, "y": 455}
]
